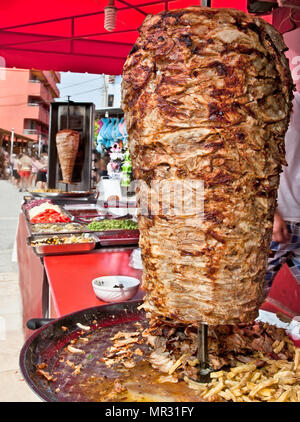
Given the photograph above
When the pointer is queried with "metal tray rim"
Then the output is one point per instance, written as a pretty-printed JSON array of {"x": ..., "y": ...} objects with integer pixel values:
[
  {"x": 53, "y": 233},
  {"x": 64, "y": 249},
  {"x": 79, "y": 194}
]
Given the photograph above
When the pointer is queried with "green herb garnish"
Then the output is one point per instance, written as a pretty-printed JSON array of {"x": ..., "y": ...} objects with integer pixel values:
[{"x": 112, "y": 225}]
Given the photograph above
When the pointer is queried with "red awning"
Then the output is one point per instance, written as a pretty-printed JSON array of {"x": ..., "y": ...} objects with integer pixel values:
[{"x": 69, "y": 35}]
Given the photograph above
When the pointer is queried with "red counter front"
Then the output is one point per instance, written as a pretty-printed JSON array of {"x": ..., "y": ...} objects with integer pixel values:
[
  {"x": 31, "y": 276},
  {"x": 70, "y": 277}
]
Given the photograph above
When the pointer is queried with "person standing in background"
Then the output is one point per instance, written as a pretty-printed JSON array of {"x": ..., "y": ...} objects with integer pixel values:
[
  {"x": 15, "y": 177},
  {"x": 25, "y": 171},
  {"x": 36, "y": 166},
  {"x": 285, "y": 245},
  {"x": 102, "y": 165},
  {"x": 41, "y": 179},
  {"x": 2, "y": 164}
]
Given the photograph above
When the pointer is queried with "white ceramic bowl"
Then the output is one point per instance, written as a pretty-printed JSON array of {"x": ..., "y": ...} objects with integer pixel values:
[{"x": 115, "y": 288}]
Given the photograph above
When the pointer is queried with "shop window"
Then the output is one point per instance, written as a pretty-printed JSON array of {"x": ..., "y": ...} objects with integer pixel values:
[{"x": 33, "y": 77}]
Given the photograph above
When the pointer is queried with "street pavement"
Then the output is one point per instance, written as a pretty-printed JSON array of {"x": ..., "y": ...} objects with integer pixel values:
[
  {"x": 10, "y": 202},
  {"x": 13, "y": 388}
]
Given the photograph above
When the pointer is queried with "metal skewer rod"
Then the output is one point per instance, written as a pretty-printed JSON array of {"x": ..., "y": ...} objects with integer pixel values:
[
  {"x": 205, "y": 369},
  {"x": 68, "y": 113},
  {"x": 202, "y": 345}
]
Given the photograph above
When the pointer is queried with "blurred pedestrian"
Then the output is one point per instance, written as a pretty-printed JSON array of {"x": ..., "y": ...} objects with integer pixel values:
[
  {"x": 102, "y": 165},
  {"x": 285, "y": 245},
  {"x": 25, "y": 171},
  {"x": 2, "y": 164},
  {"x": 36, "y": 166},
  {"x": 41, "y": 179},
  {"x": 15, "y": 165}
]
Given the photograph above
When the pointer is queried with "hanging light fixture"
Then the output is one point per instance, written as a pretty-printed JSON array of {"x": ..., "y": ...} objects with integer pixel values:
[{"x": 110, "y": 13}]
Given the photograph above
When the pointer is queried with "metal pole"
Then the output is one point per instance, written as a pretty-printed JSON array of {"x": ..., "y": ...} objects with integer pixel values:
[
  {"x": 206, "y": 3},
  {"x": 205, "y": 369},
  {"x": 202, "y": 349},
  {"x": 68, "y": 113},
  {"x": 40, "y": 144},
  {"x": 105, "y": 99},
  {"x": 12, "y": 137}
]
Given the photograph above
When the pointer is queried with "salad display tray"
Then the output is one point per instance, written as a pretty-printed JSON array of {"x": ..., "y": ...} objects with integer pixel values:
[
  {"x": 57, "y": 229},
  {"x": 62, "y": 249},
  {"x": 62, "y": 211}
]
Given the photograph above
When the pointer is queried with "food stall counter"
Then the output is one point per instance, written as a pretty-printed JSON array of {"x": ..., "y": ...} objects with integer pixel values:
[{"x": 70, "y": 278}]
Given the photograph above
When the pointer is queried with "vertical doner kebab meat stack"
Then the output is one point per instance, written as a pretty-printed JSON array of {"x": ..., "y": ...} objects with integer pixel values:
[
  {"x": 67, "y": 143},
  {"x": 207, "y": 96}
]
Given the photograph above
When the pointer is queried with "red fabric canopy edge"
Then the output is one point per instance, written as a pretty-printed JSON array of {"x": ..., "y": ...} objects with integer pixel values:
[{"x": 32, "y": 37}]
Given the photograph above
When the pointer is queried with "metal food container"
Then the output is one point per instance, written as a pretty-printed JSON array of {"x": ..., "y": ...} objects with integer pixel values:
[
  {"x": 118, "y": 237},
  {"x": 62, "y": 210},
  {"x": 64, "y": 195},
  {"x": 63, "y": 249},
  {"x": 78, "y": 228}
]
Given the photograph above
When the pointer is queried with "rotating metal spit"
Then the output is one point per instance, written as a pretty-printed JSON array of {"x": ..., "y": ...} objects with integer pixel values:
[{"x": 205, "y": 368}]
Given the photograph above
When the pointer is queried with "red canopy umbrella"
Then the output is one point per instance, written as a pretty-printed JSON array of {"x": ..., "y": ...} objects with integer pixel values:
[{"x": 69, "y": 35}]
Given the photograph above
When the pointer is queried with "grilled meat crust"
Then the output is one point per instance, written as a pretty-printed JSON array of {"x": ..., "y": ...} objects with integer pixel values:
[{"x": 207, "y": 97}]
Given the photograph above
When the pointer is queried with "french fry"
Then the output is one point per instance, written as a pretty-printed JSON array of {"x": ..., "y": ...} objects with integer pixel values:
[
  {"x": 242, "y": 368},
  {"x": 246, "y": 398},
  {"x": 194, "y": 384},
  {"x": 236, "y": 392},
  {"x": 282, "y": 379},
  {"x": 293, "y": 395},
  {"x": 227, "y": 395},
  {"x": 279, "y": 347},
  {"x": 266, "y": 392},
  {"x": 275, "y": 381},
  {"x": 282, "y": 374},
  {"x": 296, "y": 358},
  {"x": 244, "y": 379},
  {"x": 231, "y": 395},
  {"x": 217, "y": 374},
  {"x": 231, "y": 383},
  {"x": 262, "y": 385},
  {"x": 255, "y": 377},
  {"x": 284, "y": 396},
  {"x": 214, "y": 390},
  {"x": 251, "y": 385},
  {"x": 283, "y": 364},
  {"x": 178, "y": 363}
]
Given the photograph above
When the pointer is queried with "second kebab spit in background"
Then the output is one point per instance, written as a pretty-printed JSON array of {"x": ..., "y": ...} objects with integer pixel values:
[
  {"x": 67, "y": 143},
  {"x": 207, "y": 96}
]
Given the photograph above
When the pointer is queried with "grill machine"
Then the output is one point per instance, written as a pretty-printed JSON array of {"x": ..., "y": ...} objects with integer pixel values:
[{"x": 79, "y": 117}]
